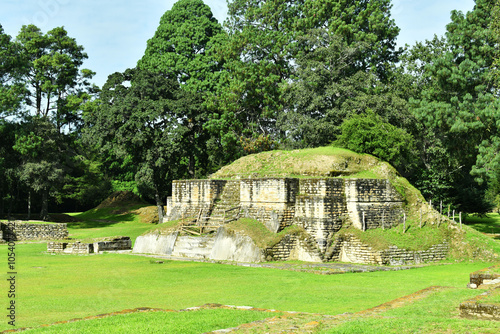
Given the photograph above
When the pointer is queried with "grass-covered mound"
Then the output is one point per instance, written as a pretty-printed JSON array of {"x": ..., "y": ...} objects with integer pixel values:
[
  {"x": 424, "y": 226},
  {"x": 122, "y": 213},
  {"x": 325, "y": 161},
  {"x": 321, "y": 161}
]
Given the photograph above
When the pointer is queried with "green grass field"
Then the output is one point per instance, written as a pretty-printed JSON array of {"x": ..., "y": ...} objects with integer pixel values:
[
  {"x": 189, "y": 322},
  {"x": 51, "y": 288},
  {"x": 102, "y": 223},
  {"x": 488, "y": 224}
]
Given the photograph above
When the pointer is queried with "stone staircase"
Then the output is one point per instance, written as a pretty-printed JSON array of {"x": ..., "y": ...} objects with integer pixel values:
[
  {"x": 227, "y": 208},
  {"x": 193, "y": 247},
  {"x": 333, "y": 252}
]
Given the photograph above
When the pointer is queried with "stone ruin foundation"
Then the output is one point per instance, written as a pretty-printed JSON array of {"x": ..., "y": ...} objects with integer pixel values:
[
  {"x": 109, "y": 244},
  {"x": 321, "y": 206},
  {"x": 18, "y": 231}
]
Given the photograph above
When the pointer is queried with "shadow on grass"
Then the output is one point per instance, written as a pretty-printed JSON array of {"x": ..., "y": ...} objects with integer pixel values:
[
  {"x": 91, "y": 224},
  {"x": 99, "y": 220},
  {"x": 489, "y": 223}
]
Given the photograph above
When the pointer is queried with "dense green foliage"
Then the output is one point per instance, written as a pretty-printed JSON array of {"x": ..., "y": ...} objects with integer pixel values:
[
  {"x": 461, "y": 107},
  {"x": 279, "y": 74},
  {"x": 369, "y": 133},
  {"x": 138, "y": 118},
  {"x": 42, "y": 88}
]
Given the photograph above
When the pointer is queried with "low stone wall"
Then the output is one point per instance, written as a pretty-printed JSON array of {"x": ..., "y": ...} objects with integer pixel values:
[
  {"x": 18, "y": 231},
  {"x": 476, "y": 309},
  {"x": 353, "y": 250},
  {"x": 113, "y": 244},
  {"x": 483, "y": 276},
  {"x": 120, "y": 243},
  {"x": 480, "y": 311},
  {"x": 70, "y": 248}
]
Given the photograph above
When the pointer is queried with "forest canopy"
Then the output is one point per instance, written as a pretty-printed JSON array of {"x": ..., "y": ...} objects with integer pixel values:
[{"x": 277, "y": 74}]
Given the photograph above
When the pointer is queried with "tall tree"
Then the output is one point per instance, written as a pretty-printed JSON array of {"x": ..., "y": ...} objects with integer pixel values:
[
  {"x": 138, "y": 118},
  {"x": 42, "y": 87},
  {"x": 461, "y": 108},
  {"x": 266, "y": 41},
  {"x": 52, "y": 73},
  {"x": 365, "y": 21},
  {"x": 11, "y": 91},
  {"x": 328, "y": 87},
  {"x": 43, "y": 152},
  {"x": 183, "y": 48},
  {"x": 257, "y": 55}
]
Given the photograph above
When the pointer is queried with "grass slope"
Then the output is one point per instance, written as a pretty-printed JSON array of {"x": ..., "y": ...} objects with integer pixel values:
[{"x": 121, "y": 214}]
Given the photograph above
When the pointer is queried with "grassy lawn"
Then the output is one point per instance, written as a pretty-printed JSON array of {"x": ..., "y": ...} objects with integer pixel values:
[
  {"x": 488, "y": 224},
  {"x": 437, "y": 313},
  {"x": 52, "y": 288},
  {"x": 199, "y": 321}
]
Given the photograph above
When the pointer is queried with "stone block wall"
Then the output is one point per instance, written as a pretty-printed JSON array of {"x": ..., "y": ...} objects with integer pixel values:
[
  {"x": 269, "y": 193},
  {"x": 475, "y": 310},
  {"x": 29, "y": 231},
  {"x": 270, "y": 200},
  {"x": 70, "y": 248},
  {"x": 56, "y": 247},
  {"x": 316, "y": 204},
  {"x": 480, "y": 276},
  {"x": 396, "y": 256},
  {"x": 479, "y": 308},
  {"x": 120, "y": 243},
  {"x": 191, "y": 196},
  {"x": 320, "y": 208},
  {"x": 353, "y": 250},
  {"x": 373, "y": 203}
]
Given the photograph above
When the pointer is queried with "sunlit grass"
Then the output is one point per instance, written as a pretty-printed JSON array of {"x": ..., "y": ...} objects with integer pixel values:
[
  {"x": 487, "y": 224},
  {"x": 195, "y": 322},
  {"x": 62, "y": 287}
]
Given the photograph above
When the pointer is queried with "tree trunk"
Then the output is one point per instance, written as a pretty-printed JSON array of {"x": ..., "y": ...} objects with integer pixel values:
[
  {"x": 192, "y": 162},
  {"x": 191, "y": 166},
  {"x": 12, "y": 201},
  {"x": 38, "y": 93},
  {"x": 29, "y": 204},
  {"x": 44, "y": 214},
  {"x": 159, "y": 205}
]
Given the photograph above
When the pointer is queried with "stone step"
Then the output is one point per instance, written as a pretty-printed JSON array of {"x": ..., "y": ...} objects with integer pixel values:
[{"x": 193, "y": 247}]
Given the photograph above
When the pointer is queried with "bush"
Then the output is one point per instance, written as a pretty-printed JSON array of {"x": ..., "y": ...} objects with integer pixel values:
[{"x": 369, "y": 133}]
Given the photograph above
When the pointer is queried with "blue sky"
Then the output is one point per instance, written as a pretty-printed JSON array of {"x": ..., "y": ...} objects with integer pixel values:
[{"x": 114, "y": 32}]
